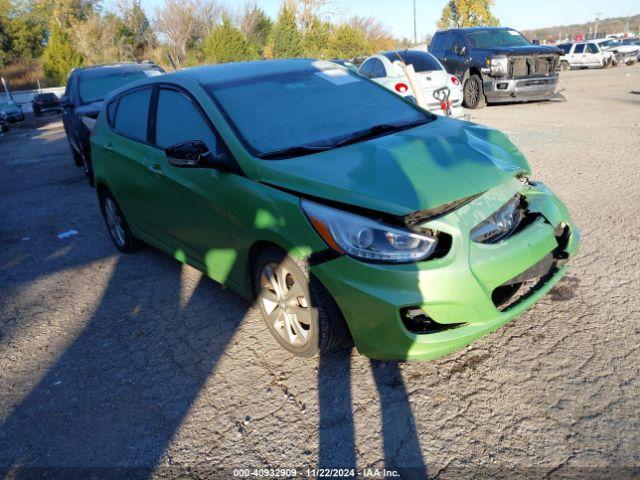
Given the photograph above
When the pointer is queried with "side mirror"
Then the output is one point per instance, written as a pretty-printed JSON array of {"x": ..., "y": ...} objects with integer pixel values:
[
  {"x": 196, "y": 154},
  {"x": 64, "y": 101}
]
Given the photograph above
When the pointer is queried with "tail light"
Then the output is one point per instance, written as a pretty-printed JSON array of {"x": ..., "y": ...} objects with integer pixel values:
[
  {"x": 401, "y": 87},
  {"x": 455, "y": 80}
]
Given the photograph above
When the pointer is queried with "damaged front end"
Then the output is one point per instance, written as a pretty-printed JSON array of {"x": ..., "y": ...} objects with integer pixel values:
[{"x": 510, "y": 78}]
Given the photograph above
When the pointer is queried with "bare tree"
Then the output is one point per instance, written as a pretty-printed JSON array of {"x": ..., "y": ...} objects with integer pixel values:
[
  {"x": 182, "y": 24},
  {"x": 308, "y": 11},
  {"x": 375, "y": 32}
]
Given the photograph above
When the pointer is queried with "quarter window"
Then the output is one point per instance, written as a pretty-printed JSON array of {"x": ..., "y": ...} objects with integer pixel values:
[
  {"x": 132, "y": 114},
  {"x": 178, "y": 120},
  {"x": 378, "y": 69}
]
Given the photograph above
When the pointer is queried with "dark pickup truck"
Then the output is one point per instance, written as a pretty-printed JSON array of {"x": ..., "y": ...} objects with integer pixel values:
[{"x": 497, "y": 64}]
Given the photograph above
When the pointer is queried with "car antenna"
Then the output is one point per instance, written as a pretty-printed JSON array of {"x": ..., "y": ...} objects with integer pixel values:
[{"x": 172, "y": 62}]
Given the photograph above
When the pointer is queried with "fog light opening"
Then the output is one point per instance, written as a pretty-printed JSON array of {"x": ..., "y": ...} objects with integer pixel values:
[{"x": 417, "y": 321}]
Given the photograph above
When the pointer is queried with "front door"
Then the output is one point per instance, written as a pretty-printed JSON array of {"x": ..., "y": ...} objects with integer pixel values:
[
  {"x": 192, "y": 212},
  {"x": 578, "y": 56}
]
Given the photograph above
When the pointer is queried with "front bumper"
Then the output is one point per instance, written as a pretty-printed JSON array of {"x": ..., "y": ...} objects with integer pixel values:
[
  {"x": 451, "y": 290},
  {"x": 500, "y": 90}
]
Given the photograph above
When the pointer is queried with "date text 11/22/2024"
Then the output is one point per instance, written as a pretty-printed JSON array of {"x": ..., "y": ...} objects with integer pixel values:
[{"x": 315, "y": 473}]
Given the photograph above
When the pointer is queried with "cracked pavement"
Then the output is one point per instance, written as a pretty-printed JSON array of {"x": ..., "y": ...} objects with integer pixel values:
[{"x": 139, "y": 367}]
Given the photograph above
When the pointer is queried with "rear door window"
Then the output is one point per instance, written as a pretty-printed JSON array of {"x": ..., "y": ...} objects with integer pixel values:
[
  {"x": 132, "y": 114},
  {"x": 421, "y": 61},
  {"x": 178, "y": 120},
  {"x": 579, "y": 48},
  {"x": 440, "y": 42}
]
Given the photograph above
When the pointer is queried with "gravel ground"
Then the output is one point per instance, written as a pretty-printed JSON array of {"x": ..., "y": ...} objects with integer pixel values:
[{"x": 137, "y": 367}]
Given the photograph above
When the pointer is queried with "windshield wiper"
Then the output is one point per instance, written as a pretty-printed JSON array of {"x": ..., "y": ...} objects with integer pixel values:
[
  {"x": 297, "y": 151},
  {"x": 377, "y": 130}
]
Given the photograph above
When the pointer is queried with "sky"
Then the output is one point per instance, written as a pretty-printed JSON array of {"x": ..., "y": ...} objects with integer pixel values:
[{"x": 397, "y": 15}]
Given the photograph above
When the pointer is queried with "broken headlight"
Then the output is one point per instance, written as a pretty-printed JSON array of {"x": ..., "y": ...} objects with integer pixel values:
[
  {"x": 498, "y": 66},
  {"x": 501, "y": 224},
  {"x": 365, "y": 238}
]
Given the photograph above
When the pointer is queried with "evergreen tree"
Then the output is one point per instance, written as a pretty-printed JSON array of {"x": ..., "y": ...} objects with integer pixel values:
[
  {"x": 348, "y": 42},
  {"x": 467, "y": 13},
  {"x": 286, "y": 39},
  {"x": 317, "y": 39},
  {"x": 59, "y": 57},
  {"x": 226, "y": 43},
  {"x": 256, "y": 26}
]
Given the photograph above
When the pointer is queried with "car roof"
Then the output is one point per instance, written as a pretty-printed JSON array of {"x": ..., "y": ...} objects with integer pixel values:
[
  {"x": 241, "y": 70},
  {"x": 391, "y": 54},
  {"x": 474, "y": 29},
  {"x": 96, "y": 71},
  {"x": 230, "y": 72}
]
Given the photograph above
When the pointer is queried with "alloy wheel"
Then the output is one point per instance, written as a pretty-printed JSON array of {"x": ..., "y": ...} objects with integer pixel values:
[
  {"x": 471, "y": 92},
  {"x": 114, "y": 222},
  {"x": 286, "y": 305}
]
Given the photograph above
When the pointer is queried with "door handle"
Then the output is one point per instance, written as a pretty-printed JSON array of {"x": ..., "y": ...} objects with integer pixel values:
[
  {"x": 155, "y": 168},
  {"x": 108, "y": 147}
]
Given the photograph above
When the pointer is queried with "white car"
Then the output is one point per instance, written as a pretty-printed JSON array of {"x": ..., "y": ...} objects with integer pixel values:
[
  {"x": 584, "y": 55},
  {"x": 386, "y": 69}
]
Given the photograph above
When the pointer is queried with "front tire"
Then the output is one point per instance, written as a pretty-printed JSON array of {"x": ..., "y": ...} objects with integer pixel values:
[
  {"x": 299, "y": 312},
  {"x": 117, "y": 225},
  {"x": 473, "y": 93}
]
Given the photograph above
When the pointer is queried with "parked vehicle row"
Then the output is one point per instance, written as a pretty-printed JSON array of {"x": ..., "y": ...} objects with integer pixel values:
[
  {"x": 347, "y": 212},
  {"x": 600, "y": 53}
]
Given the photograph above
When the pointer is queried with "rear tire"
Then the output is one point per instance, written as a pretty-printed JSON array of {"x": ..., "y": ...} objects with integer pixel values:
[
  {"x": 77, "y": 158},
  {"x": 564, "y": 66},
  {"x": 88, "y": 170},
  {"x": 117, "y": 225},
  {"x": 300, "y": 314},
  {"x": 474, "y": 97}
]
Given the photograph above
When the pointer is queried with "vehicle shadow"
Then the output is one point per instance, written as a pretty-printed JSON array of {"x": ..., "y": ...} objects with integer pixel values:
[
  {"x": 337, "y": 443},
  {"x": 117, "y": 395}
]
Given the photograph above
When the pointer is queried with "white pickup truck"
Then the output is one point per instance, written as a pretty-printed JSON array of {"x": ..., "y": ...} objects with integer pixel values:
[{"x": 584, "y": 55}]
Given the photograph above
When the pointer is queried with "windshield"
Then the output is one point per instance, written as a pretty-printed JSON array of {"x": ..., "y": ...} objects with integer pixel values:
[
  {"x": 308, "y": 107},
  {"x": 97, "y": 88},
  {"x": 497, "y": 38},
  {"x": 606, "y": 44}
]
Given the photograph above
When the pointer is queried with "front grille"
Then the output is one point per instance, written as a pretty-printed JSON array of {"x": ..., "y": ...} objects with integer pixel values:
[{"x": 528, "y": 66}]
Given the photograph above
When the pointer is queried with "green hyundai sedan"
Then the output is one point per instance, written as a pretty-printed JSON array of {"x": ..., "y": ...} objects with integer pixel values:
[{"x": 348, "y": 214}]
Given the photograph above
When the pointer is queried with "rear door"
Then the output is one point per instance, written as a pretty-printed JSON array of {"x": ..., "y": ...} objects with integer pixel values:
[
  {"x": 453, "y": 59},
  {"x": 125, "y": 155},
  {"x": 439, "y": 44},
  {"x": 191, "y": 201},
  {"x": 592, "y": 57}
]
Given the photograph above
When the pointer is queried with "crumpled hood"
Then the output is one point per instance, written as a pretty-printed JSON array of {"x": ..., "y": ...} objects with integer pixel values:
[{"x": 417, "y": 169}]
